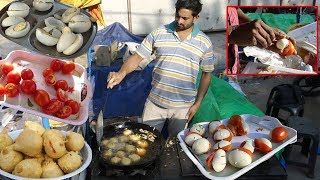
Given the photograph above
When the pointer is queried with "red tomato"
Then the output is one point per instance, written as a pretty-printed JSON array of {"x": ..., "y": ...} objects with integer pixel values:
[
  {"x": 53, "y": 106},
  {"x": 288, "y": 50},
  {"x": 62, "y": 95},
  {"x": 13, "y": 77},
  {"x": 74, "y": 106},
  {"x": 12, "y": 90},
  {"x": 68, "y": 67},
  {"x": 47, "y": 72},
  {"x": 64, "y": 112},
  {"x": 28, "y": 86},
  {"x": 41, "y": 97},
  {"x": 2, "y": 90},
  {"x": 62, "y": 84},
  {"x": 50, "y": 79},
  {"x": 279, "y": 134},
  {"x": 26, "y": 74},
  {"x": 55, "y": 65},
  {"x": 6, "y": 68}
]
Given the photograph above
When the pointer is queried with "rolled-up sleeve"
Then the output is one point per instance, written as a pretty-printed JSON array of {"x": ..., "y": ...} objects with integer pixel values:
[
  {"x": 146, "y": 47},
  {"x": 207, "y": 60}
]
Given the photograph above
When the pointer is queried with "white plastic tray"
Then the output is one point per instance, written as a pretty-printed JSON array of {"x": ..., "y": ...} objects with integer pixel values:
[
  {"x": 86, "y": 154},
  {"x": 259, "y": 127},
  {"x": 37, "y": 63}
]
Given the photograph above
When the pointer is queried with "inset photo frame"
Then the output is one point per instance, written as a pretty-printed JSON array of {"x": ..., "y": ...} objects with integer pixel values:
[{"x": 272, "y": 40}]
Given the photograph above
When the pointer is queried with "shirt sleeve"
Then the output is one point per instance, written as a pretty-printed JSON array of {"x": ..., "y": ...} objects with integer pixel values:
[
  {"x": 146, "y": 47},
  {"x": 207, "y": 60}
]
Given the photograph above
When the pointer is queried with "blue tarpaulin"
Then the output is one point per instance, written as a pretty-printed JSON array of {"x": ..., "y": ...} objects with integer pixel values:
[{"x": 127, "y": 98}]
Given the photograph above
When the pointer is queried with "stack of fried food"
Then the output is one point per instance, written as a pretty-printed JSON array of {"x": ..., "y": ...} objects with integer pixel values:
[{"x": 40, "y": 153}]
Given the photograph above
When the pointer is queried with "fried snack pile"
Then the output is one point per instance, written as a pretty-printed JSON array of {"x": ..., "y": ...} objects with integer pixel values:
[{"x": 40, "y": 153}]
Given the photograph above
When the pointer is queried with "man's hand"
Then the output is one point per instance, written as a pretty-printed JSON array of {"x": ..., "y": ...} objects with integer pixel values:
[
  {"x": 114, "y": 78},
  {"x": 254, "y": 33},
  {"x": 192, "y": 111}
]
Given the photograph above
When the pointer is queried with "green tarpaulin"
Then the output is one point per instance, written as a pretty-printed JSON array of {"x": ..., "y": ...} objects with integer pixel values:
[
  {"x": 222, "y": 101},
  {"x": 280, "y": 21}
]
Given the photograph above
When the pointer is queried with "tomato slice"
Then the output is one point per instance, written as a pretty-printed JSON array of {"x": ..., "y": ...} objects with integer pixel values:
[
  {"x": 62, "y": 84},
  {"x": 54, "y": 106},
  {"x": 74, "y": 106},
  {"x": 13, "y": 77},
  {"x": 56, "y": 65},
  {"x": 62, "y": 95},
  {"x": 68, "y": 67},
  {"x": 26, "y": 74},
  {"x": 64, "y": 112},
  {"x": 50, "y": 79},
  {"x": 28, "y": 86},
  {"x": 6, "y": 68},
  {"x": 2, "y": 90},
  {"x": 41, "y": 97},
  {"x": 47, "y": 72},
  {"x": 12, "y": 90}
]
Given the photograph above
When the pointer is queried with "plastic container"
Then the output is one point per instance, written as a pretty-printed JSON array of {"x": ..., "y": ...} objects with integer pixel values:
[
  {"x": 37, "y": 63},
  {"x": 36, "y": 20},
  {"x": 86, "y": 154},
  {"x": 259, "y": 127}
]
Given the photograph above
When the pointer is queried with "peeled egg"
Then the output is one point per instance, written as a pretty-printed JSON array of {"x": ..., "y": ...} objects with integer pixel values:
[
  {"x": 198, "y": 128},
  {"x": 191, "y": 137},
  {"x": 66, "y": 39},
  {"x": 19, "y": 30},
  {"x": 43, "y": 5},
  {"x": 45, "y": 37},
  {"x": 75, "y": 46},
  {"x": 11, "y": 20},
  {"x": 18, "y": 9},
  {"x": 240, "y": 157},
  {"x": 282, "y": 43},
  {"x": 53, "y": 31},
  {"x": 222, "y": 134},
  {"x": 213, "y": 125},
  {"x": 80, "y": 23},
  {"x": 201, "y": 146},
  {"x": 225, "y": 145},
  {"x": 54, "y": 23},
  {"x": 248, "y": 144},
  {"x": 69, "y": 13},
  {"x": 263, "y": 145},
  {"x": 219, "y": 160}
]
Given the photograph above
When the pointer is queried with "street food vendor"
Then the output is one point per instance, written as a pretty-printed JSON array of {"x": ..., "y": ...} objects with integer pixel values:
[{"x": 181, "y": 50}]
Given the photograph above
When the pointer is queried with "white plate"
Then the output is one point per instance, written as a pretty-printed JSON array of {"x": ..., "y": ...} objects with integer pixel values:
[
  {"x": 85, "y": 152},
  {"x": 259, "y": 127},
  {"x": 37, "y": 63}
]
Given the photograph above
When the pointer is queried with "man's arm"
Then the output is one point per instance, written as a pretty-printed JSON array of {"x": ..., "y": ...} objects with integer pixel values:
[
  {"x": 130, "y": 65},
  {"x": 202, "y": 90}
]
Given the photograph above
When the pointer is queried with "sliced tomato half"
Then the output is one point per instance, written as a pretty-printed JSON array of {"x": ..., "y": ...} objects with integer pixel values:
[
  {"x": 65, "y": 112},
  {"x": 54, "y": 106},
  {"x": 62, "y": 95}
]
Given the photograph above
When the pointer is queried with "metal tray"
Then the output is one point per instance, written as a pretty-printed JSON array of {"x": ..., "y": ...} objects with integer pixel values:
[
  {"x": 36, "y": 20},
  {"x": 259, "y": 127}
]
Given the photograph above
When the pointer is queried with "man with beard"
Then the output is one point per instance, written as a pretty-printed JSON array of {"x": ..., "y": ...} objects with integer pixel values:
[{"x": 181, "y": 50}]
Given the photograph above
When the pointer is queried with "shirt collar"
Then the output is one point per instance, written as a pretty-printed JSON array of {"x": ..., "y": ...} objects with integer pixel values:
[{"x": 172, "y": 28}]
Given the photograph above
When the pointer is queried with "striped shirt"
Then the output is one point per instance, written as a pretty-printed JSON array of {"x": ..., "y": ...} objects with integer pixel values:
[{"x": 177, "y": 64}]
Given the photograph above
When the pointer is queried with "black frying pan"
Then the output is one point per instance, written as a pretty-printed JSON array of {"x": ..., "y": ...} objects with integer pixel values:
[{"x": 154, "y": 149}]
